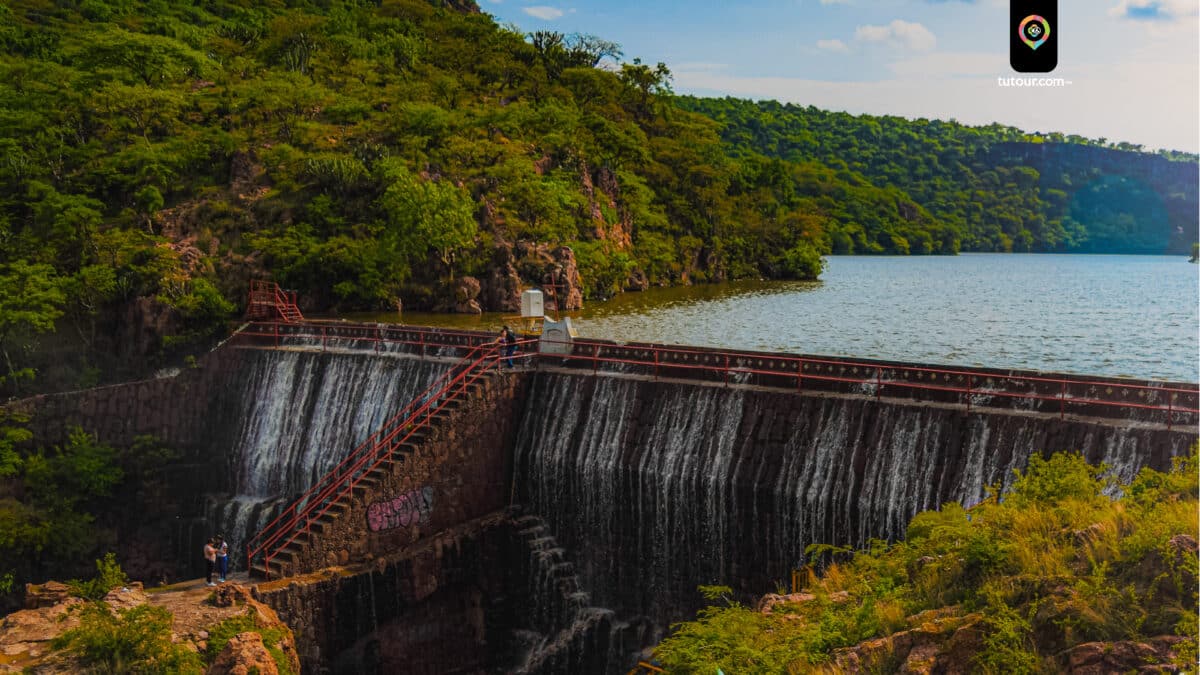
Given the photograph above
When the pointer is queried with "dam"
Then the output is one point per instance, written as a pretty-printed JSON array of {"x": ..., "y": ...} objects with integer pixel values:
[{"x": 401, "y": 497}]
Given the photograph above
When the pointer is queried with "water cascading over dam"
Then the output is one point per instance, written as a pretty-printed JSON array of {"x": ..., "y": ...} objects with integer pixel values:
[
  {"x": 654, "y": 488},
  {"x": 294, "y": 415},
  {"x": 575, "y": 506}
]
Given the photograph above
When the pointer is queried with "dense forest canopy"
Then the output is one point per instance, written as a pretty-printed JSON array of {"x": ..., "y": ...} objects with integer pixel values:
[
  {"x": 158, "y": 155},
  {"x": 995, "y": 188}
]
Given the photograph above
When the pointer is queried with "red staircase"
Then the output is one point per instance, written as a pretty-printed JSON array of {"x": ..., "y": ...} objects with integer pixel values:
[
  {"x": 272, "y": 552},
  {"x": 269, "y": 301}
]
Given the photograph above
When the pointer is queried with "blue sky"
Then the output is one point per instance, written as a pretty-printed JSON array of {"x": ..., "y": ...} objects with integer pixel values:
[{"x": 1133, "y": 65}]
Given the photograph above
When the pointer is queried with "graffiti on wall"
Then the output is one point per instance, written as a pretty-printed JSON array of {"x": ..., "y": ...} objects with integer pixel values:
[{"x": 411, "y": 508}]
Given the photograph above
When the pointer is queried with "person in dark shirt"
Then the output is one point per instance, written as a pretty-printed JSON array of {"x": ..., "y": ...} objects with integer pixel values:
[{"x": 510, "y": 344}]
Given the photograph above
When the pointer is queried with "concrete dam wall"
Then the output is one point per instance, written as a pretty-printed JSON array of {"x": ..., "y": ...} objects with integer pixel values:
[{"x": 585, "y": 506}]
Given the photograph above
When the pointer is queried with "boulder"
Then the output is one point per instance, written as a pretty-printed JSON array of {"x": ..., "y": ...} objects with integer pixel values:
[
  {"x": 244, "y": 654},
  {"x": 48, "y": 594},
  {"x": 460, "y": 296},
  {"x": 26, "y": 634},
  {"x": 502, "y": 290},
  {"x": 231, "y": 595},
  {"x": 766, "y": 604},
  {"x": 126, "y": 597},
  {"x": 1100, "y": 658}
]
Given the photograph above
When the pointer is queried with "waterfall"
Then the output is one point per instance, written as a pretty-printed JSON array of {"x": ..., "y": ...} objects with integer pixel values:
[
  {"x": 298, "y": 413},
  {"x": 565, "y": 633},
  {"x": 655, "y": 488}
]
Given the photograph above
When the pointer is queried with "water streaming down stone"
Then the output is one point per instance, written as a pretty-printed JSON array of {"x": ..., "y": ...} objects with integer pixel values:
[
  {"x": 654, "y": 488},
  {"x": 298, "y": 414},
  {"x": 565, "y": 633}
]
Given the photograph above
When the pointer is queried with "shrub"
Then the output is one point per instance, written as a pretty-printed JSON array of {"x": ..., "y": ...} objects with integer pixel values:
[
  {"x": 1053, "y": 563},
  {"x": 220, "y": 635},
  {"x": 109, "y": 575},
  {"x": 136, "y": 640}
]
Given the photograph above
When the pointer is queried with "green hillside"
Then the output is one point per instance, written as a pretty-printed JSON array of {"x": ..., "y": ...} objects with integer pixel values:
[
  {"x": 156, "y": 156},
  {"x": 995, "y": 188}
]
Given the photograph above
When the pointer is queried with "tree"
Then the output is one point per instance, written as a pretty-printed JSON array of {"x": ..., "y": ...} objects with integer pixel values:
[
  {"x": 424, "y": 216},
  {"x": 31, "y": 300}
]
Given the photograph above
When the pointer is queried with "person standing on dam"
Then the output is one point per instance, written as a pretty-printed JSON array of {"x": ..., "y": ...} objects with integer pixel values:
[
  {"x": 210, "y": 561},
  {"x": 509, "y": 339},
  {"x": 222, "y": 558}
]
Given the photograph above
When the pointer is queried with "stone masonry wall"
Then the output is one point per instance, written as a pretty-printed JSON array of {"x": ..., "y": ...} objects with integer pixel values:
[
  {"x": 184, "y": 412},
  {"x": 461, "y": 471},
  {"x": 431, "y": 607}
]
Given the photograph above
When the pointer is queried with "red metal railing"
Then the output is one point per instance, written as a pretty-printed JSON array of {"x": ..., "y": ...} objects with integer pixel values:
[
  {"x": 872, "y": 378},
  {"x": 268, "y": 300},
  {"x": 970, "y": 388},
  {"x": 379, "y": 447}
]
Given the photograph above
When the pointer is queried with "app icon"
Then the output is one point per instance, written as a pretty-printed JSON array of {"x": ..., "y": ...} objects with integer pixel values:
[
  {"x": 1033, "y": 31},
  {"x": 1031, "y": 47}
]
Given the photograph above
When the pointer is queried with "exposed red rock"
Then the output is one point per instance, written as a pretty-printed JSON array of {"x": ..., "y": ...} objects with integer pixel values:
[{"x": 244, "y": 654}]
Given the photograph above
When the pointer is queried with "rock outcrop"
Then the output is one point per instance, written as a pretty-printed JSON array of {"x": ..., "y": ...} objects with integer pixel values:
[
  {"x": 26, "y": 636},
  {"x": 1101, "y": 658},
  {"x": 244, "y": 654},
  {"x": 528, "y": 265}
]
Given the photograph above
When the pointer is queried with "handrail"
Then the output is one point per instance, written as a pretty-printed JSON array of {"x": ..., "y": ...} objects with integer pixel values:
[
  {"x": 874, "y": 377},
  {"x": 269, "y": 295},
  {"x": 798, "y": 369},
  {"x": 347, "y": 479},
  {"x": 369, "y": 441}
]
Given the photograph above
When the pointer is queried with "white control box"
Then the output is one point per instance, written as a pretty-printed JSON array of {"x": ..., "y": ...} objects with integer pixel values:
[{"x": 532, "y": 305}]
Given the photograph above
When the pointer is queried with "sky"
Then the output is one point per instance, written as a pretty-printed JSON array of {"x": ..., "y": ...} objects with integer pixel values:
[{"x": 1132, "y": 67}]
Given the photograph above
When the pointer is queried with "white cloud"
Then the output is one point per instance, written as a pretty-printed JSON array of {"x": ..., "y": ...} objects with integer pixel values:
[
  {"x": 832, "y": 45},
  {"x": 543, "y": 12},
  {"x": 898, "y": 33},
  {"x": 1155, "y": 10}
]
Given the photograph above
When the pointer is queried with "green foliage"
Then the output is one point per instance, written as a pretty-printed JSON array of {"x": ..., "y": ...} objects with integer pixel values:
[
  {"x": 52, "y": 524},
  {"x": 136, "y": 640},
  {"x": 109, "y": 575},
  {"x": 1051, "y": 563},
  {"x": 991, "y": 188},
  {"x": 220, "y": 635},
  {"x": 31, "y": 299},
  {"x": 168, "y": 151}
]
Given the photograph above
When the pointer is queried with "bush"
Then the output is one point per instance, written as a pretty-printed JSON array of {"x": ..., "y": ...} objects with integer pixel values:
[
  {"x": 1049, "y": 564},
  {"x": 220, "y": 635},
  {"x": 109, "y": 575},
  {"x": 136, "y": 640}
]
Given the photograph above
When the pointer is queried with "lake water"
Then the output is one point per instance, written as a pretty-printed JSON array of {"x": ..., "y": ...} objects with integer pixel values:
[{"x": 1135, "y": 316}]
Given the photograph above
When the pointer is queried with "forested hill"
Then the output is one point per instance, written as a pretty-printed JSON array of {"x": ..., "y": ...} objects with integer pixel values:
[
  {"x": 997, "y": 188},
  {"x": 158, "y": 155},
  {"x": 155, "y": 156}
]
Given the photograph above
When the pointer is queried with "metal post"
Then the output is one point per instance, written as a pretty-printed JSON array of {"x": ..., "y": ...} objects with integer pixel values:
[
  {"x": 878, "y": 381},
  {"x": 323, "y": 330},
  {"x": 1170, "y": 409},
  {"x": 595, "y": 358},
  {"x": 1062, "y": 401},
  {"x": 969, "y": 379},
  {"x": 655, "y": 364},
  {"x": 726, "y": 370},
  {"x": 800, "y": 376}
]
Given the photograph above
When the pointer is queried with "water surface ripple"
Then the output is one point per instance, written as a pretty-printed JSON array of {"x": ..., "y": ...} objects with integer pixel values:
[{"x": 1134, "y": 316}]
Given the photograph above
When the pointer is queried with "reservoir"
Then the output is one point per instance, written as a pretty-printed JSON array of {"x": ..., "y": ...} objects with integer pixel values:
[{"x": 1131, "y": 316}]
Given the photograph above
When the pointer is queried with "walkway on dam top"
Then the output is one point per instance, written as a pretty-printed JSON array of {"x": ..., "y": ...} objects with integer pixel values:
[{"x": 1128, "y": 400}]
